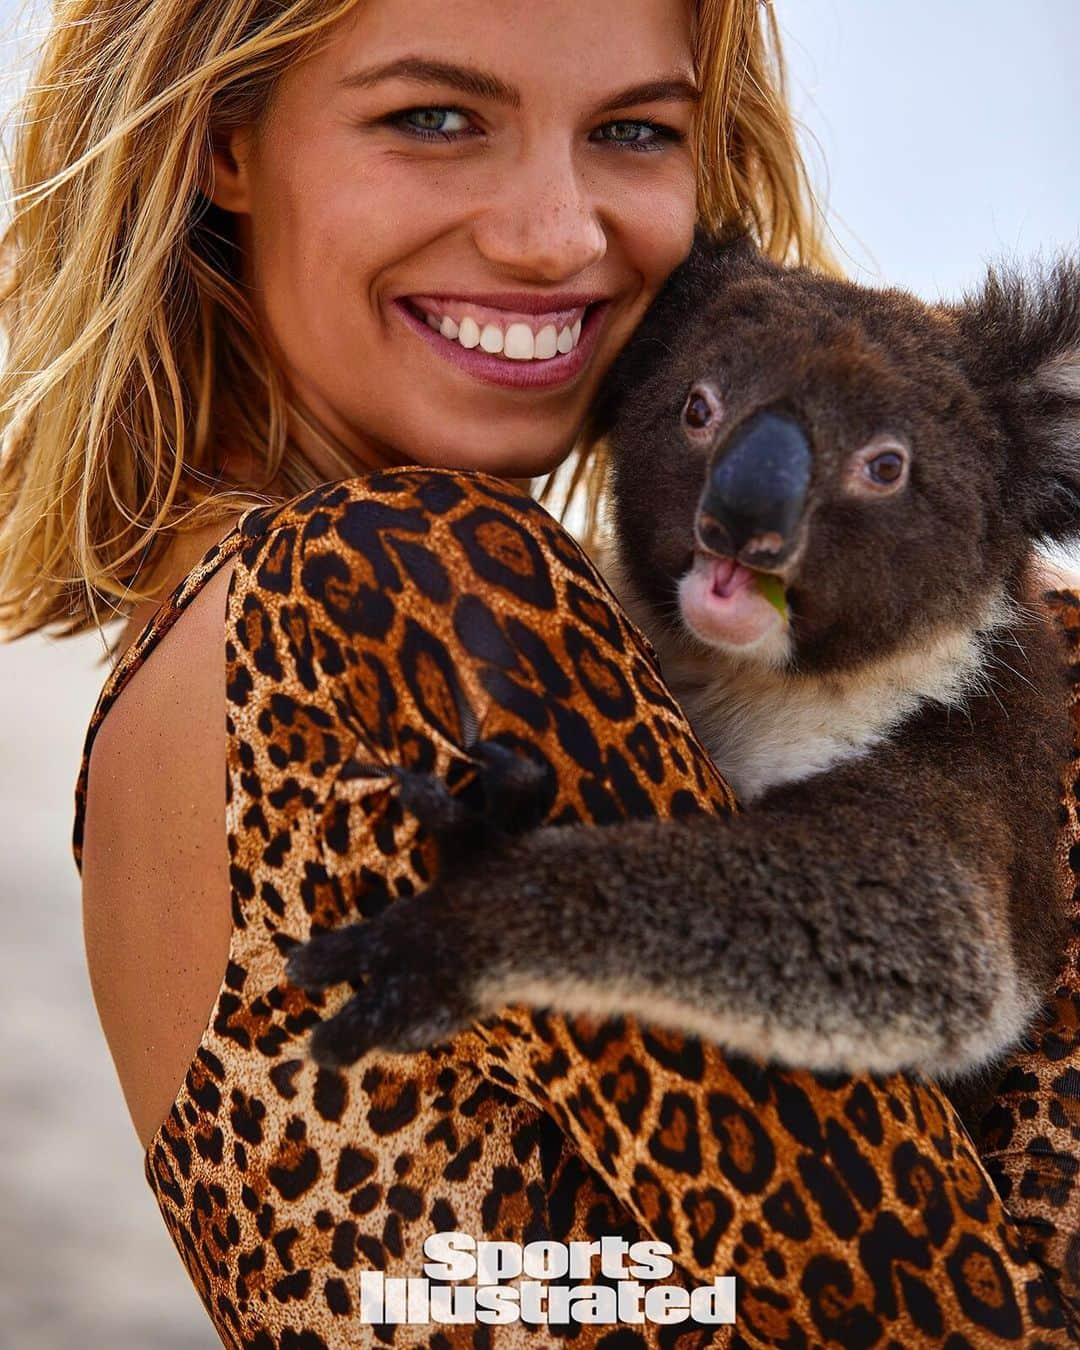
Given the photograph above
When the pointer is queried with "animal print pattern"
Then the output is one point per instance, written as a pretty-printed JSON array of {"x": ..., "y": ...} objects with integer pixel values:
[{"x": 391, "y": 620}]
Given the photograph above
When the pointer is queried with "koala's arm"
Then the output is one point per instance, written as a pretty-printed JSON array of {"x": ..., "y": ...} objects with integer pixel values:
[{"x": 827, "y": 936}]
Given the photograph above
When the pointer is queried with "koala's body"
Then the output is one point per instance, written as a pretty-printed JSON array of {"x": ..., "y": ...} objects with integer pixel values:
[{"x": 826, "y": 502}]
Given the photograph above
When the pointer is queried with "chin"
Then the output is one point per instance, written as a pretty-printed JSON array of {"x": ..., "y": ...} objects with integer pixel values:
[
  {"x": 770, "y": 650},
  {"x": 481, "y": 456}
]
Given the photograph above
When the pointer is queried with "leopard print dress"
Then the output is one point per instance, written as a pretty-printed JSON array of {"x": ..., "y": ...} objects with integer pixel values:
[{"x": 361, "y": 618}]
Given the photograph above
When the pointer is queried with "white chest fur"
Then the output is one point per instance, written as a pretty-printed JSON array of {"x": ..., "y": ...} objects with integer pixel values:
[{"x": 765, "y": 727}]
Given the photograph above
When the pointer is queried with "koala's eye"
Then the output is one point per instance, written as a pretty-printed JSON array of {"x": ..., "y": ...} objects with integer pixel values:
[
  {"x": 701, "y": 411},
  {"x": 880, "y": 468},
  {"x": 698, "y": 413},
  {"x": 887, "y": 468}
]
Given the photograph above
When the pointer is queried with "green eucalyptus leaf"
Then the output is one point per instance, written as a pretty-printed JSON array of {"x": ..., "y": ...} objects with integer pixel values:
[{"x": 772, "y": 588}]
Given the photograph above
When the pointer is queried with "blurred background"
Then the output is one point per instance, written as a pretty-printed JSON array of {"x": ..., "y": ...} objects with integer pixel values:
[{"x": 941, "y": 135}]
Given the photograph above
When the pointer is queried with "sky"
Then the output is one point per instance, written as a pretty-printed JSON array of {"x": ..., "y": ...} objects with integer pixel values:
[{"x": 942, "y": 132}]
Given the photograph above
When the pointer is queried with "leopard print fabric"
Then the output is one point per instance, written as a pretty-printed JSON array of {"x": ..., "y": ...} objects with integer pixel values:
[{"x": 389, "y": 621}]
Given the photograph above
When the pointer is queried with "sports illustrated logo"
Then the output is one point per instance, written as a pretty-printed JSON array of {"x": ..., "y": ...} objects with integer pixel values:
[{"x": 453, "y": 1256}]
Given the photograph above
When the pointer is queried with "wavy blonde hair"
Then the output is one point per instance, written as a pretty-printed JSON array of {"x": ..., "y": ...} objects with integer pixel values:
[{"x": 132, "y": 353}]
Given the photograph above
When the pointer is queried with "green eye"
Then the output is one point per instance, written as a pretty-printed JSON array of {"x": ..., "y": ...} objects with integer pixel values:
[
  {"x": 629, "y": 134},
  {"x": 433, "y": 121},
  {"x": 438, "y": 123}
]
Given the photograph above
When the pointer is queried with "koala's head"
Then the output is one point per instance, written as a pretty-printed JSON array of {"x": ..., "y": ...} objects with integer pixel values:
[{"x": 811, "y": 473}]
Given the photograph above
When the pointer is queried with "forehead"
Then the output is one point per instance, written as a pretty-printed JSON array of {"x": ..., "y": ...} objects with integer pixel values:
[
  {"x": 559, "y": 50},
  {"x": 837, "y": 353},
  {"x": 804, "y": 317}
]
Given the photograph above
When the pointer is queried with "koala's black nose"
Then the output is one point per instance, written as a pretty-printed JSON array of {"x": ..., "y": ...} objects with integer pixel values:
[{"x": 755, "y": 492}]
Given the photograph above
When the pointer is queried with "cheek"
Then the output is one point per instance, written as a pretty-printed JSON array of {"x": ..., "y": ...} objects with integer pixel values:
[
  {"x": 657, "y": 225},
  {"x": 330, "y": 231},
  {"x": 317, "y": 233},
  {"x": 651, "y": 230}
]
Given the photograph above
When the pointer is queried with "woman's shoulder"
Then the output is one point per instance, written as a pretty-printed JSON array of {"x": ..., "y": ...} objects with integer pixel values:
[{"x": 173, "y": 637}]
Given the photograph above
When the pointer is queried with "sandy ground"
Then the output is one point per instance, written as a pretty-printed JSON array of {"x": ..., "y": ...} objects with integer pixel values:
[{"x": 85, "y": 1259}]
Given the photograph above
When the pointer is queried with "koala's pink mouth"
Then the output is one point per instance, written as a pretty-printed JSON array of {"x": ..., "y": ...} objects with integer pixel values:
[{"x": 723, "y": 605}]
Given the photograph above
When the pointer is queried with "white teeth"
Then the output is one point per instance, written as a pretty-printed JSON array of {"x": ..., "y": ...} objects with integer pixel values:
[
  {"x": 491, "y": 339},
  {"x": 519, "y": 344},
  {"x": 547, "y": 343}
]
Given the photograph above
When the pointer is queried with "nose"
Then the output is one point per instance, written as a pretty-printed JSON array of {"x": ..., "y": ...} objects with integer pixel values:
[
  {"x": 755, "y": 492},
  {"x": 543, "y": 225}
]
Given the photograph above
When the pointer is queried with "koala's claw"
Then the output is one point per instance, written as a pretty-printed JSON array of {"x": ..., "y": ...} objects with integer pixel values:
[
  {"x": 358, "y": 949},
  {"x": 330, "y": 958},
  {"x": 514, "y": 787},
  {"x": 433, "y": 804},
  {"x": 409, "y": 1002},
  {"x": 512, "y": 799},
  {"x": 412, "y": 989},
  {"x": 398, "y": 1014}
]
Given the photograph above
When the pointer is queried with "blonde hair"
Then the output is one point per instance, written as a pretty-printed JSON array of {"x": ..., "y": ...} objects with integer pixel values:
[{"x": 132, "y": 353}]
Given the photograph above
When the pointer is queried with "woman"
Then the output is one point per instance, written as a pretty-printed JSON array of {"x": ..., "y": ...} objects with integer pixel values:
[{"x": 242, "y": 224}]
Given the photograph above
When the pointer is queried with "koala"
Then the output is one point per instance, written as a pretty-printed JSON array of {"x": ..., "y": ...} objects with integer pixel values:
[{"x": 826, "y": 501}]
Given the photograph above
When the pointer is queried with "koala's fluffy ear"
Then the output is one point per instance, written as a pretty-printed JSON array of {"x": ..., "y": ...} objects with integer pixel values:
[{"x": 1022, "y": 333}]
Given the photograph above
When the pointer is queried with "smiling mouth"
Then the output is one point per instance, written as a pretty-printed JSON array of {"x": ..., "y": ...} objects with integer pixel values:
[
  {"x": 507, "y": 348},
  {"x": 503, "y": 333}
]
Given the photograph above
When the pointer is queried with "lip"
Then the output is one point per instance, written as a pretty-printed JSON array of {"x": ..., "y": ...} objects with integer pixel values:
[
  {"x": 520, "y": 302},
  {"x": 481, "y": 365},
  {"x": 722, "y": 606}
]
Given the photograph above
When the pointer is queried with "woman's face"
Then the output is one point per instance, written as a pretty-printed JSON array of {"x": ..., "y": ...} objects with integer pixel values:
[{"x": 519, "y": 175}]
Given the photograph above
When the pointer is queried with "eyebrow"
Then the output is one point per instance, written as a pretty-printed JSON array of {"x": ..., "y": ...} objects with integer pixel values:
[{"x": 481, "y": 84}]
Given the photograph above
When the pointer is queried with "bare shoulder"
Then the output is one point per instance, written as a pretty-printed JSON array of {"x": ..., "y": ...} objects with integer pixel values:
[{"x": 156, "y": 913}]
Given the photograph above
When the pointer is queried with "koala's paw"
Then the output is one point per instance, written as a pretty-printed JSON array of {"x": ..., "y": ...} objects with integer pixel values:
[
  {"x": 517, "y": 789},
  {"x": 415, "y": 991},
  {"x": 452, "y": 820},
  {"x": 510, "y": 796}
]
